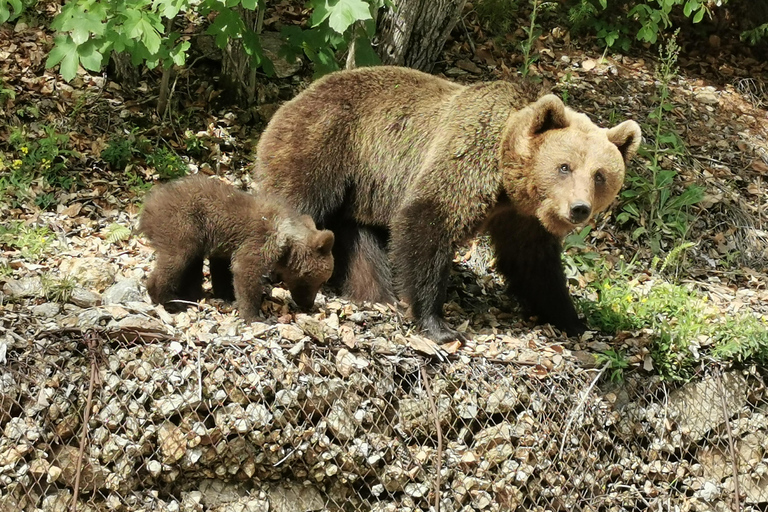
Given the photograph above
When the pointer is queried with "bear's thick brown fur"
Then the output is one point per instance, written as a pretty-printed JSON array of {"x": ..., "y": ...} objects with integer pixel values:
[
  {"x": 243, "y": 236},
  {"x": 393, "y": 159}
]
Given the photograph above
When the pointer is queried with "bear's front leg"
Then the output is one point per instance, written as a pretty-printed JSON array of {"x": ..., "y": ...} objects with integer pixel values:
[
  {"x": 529, "y": 258},
  {"x": 421, "y": 255},
  {"x": 247, "y": 271}
]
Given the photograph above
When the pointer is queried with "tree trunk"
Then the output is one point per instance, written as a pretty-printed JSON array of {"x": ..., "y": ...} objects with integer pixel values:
[
  {"x": 414, "y": 33},
  {"x": 238, "y": 76},
  {"x": 123, "y": 70}
]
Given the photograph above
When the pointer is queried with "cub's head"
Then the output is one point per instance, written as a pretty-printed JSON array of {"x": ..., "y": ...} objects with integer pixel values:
[
  {"x": 561, "y": 167},
  {"x": 307, "y": 261}
]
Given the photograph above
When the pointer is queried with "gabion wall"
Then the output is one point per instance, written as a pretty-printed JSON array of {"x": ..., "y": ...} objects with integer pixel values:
[{"x": 122, "y": 420}]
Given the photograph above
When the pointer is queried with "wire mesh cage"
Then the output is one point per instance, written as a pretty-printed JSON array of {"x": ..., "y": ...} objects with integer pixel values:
[{"x": 125, "y": 420}]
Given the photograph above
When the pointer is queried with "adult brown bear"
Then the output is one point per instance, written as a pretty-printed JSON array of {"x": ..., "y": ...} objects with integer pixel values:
[
  {"x": 395, "y": 159},
  {"x": 243, "y": 236}
]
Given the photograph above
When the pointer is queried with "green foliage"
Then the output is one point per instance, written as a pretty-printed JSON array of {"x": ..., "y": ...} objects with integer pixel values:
[
  {"x": 577, "y": 258},
  {"x": 615, "y": 22},
  {"x": 6, "y": 93},
  {"x": 648, "y": 200},
  {"x": 120, "y": 151},
  {"x": 755, "y": 35},
  {"x": 617, "y": 362},
  {"x": 193, "y": 143},
  {"x": 167, "y": 164},
  {"x": 10, "y": 10},
  {"x": 137, "y": 184},
  {"x": 87, "y": 31},
  {"x": 117, "y": 233},
  {"x": 41, "y": 159},
  {"x": 334, "y": 24},
  {"x": 685, "y": 326},
  {"x": 32, "y": 242},
  {"x": 532, "y": 32},
  {"x": 498, "y": 16},
  {"x": 57, "y": 290}
]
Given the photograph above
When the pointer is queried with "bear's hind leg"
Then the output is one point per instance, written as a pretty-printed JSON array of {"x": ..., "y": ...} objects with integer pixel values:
[
  {"x": 529, "y": 258},
  {"x": 361, "y": 265},
  {"x": 221, "y": 277},
  {"x": 369, "y": 277},
  {"x": 176, "y": 277}
]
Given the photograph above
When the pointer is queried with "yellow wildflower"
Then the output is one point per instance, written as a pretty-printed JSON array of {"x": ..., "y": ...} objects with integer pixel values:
[
  {"x": 24, "y": 149},
  {"x": 17, "y": 163}
]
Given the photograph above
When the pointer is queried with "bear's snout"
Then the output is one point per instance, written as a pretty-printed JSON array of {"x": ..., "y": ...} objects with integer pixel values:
[{"x": 580, "y": 211}]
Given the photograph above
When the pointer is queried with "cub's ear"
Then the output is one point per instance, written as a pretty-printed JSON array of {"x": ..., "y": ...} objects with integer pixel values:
[
  {"x": 548, "y": 114},
  {"x": 307, "y": 221},
  {"x": 324, "y": 242},
  {"x": 626, "y": 136}
]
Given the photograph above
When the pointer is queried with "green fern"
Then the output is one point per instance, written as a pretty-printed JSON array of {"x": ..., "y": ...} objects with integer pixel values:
[{"x": 117, "y": 233}]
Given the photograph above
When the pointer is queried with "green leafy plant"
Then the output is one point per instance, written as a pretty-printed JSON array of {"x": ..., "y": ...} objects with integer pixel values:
[
  {"x": 117, "y": 233},
  {"x": 10, "y": 10},
  {"x": 6, "y": 93},
  {"x": 32, "y": 242},
  {"x": 532, "y": 32},
  {"x": 120, "y": 151},
  {"x": 57, "y": 290},
  {"x": 755, "y": 35},
  {"x": 88, "y": 31},
  {"x": 648, "y": 200},
  {"x": 33, "y": 159},
  {"x": 333, "y": 26},
  {"x": 136, "y": 183},
  {"x": 615, "y": 23},
  {"x": 617, "y": 362},
  {"x": 578, "y": 259},
  {"x": 497, "y": 16},
  {"x": 685, "y": 327},
  {"x": 168, "y": 164}
]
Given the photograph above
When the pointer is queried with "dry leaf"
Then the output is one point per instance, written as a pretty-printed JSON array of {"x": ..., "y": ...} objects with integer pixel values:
[
  {"x": 588, "y": 64},
  {"x": 760, "y": 166}
]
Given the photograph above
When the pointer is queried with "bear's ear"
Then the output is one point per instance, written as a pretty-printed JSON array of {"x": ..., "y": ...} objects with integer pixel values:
[
  {"x": 307, "y": 221},
  {"x": 626, "y": 136},
  {"x": 548, "y": 114},
  {"x": 324, "y": 242}
]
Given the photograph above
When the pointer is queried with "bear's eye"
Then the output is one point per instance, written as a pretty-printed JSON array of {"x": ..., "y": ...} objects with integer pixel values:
[
  {"x": 564, "y": 169},
  {"x": 599, "y": 178}
]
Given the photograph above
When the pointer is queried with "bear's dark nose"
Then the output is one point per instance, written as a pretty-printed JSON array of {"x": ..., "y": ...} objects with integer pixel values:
[{"x": 580, "y": 212}]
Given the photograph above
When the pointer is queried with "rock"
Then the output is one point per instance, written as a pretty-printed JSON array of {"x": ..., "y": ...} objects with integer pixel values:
[
  {"x": 84, "y": 298},
  {"x": 91, "y": 273},
  {"x": 271, "y": 42},
  {"x": 92, "y": 475},
  {"x": 707, "y": 95},
  {"x": 313, "y": 327},
  {"x": 139, "y": 323},
  {"x": 24, "y": 287},
  {"x": 46, "y": 310},
  {"x": 294, "y": 496},
  {"x": 291, "y": 332},
  {"x": 127, "y": 290},
  {"x": 341, "y": 422},
  {"x": 697, "y": 406},
  {"x": 468, "y": 65},
  {"x": 503, "y": 400},
  {"x": 215, "y": 493},
  {"x": 172, "y": 441},
  {"x": 454, "y": 72}
]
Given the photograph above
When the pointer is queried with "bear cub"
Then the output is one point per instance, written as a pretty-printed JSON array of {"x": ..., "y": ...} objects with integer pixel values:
[{"x": 242, "y": 235}]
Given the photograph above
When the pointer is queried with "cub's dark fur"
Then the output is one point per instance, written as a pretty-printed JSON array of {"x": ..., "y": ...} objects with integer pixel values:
[{"x": 243, "y": 236}]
